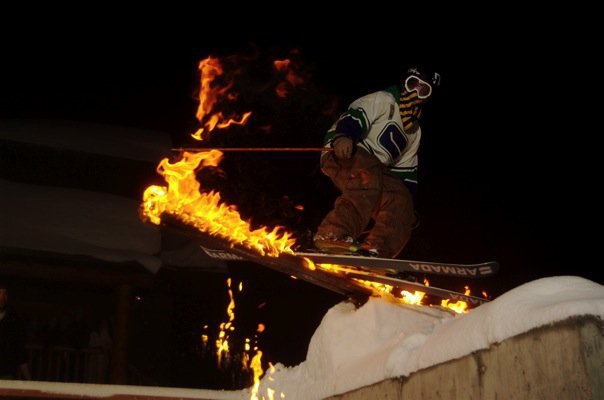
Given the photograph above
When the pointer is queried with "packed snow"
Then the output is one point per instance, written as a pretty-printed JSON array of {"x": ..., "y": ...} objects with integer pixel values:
[{"x": 353, "y": 348}]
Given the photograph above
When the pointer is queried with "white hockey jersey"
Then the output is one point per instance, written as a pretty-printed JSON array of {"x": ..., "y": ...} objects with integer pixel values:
[{"x": 374, "y": 123}]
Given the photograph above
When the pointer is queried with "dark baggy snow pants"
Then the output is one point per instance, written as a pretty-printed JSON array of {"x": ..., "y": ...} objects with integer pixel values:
[{"x": 368, "y": 191}]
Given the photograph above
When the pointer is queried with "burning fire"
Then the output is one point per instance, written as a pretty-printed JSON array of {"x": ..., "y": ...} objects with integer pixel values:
[
  {"x": 379, "y": 289},
  {"x": 459, "y": 306},
  {"x": 222, "y": 343},
  {"x": 384, "y": 290},
  {"x": 183, "y": 199},
  {"x": 210, "y": 93},
  {"x": 292, "y": 78},
  {"x": 225, "y": 358},
  {"x": 256, "y": 366}
]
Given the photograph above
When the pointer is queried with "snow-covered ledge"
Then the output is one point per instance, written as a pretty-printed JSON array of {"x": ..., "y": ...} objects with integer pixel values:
[
  {"x": 561, "y": 361},
  {"x": 540, "y": 340}
]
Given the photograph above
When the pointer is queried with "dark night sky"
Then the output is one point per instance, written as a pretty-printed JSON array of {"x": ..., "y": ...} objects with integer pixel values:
[{"x": 506, "y": 166}]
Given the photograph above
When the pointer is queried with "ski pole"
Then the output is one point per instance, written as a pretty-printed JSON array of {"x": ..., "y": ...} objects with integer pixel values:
[{"x": 301, "y": 149}]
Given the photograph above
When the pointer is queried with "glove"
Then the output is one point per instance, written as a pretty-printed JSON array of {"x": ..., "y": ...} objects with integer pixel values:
[{"x": 342, "y": 147}]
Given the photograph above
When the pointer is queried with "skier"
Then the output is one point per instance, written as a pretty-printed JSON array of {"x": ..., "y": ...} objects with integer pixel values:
[{"x": 374, "y": 165}]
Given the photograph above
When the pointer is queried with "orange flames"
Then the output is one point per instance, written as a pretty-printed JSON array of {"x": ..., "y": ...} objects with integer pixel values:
[
  {"x": 459, "y": 306},
  {"x": 222, "y": 343},
  {"x": 225, "y": 358},
  {"x": 183, "y": 199},
  {"x": 292, "y": 78},
  {"x": 384, "y": 290},
  {"x": 256, "y": 366},
  {"x": 379, "y": 289},
  {"x": 210, "y": 93}
]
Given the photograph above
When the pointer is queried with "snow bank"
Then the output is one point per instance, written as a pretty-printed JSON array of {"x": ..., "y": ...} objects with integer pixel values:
[{"x": 354, "y": 348}]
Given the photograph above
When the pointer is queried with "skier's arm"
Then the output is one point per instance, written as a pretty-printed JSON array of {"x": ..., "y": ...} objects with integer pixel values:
[{"x": 352, "y": 126}]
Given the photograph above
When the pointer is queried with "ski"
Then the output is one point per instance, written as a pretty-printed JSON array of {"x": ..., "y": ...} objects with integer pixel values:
[
  {"x": 385, "y": 266},
  {"x": 365, "y": 274},
  {"x": 394, "y": 266},
  {"x": 345, "y": 279},
  {"x": 414, "y": 286}
]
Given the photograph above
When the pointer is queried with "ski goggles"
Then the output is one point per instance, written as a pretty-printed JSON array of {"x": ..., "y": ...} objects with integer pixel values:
[{"x": 423, "y": 88}]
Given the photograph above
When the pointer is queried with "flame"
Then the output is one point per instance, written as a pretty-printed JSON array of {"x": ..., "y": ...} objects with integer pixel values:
[
  {"x": 222, "y": 343},
  {"x": 205, "y": 211},
  {"x": 256, "y": 366},
  {"x": 245, "y": 359},
  {"x": 211, "y": 91},
  {"x": 379, "y": 289},
  {"x": 384, "y": 290},
  {"x": 292, "y": 78},
  {"x": 412, "y": 298},
  {"x": 460, "y": 307},
  {"x": 281, "y": 65},
  {"x": 224, "y": 359},
  {"x": 310, "y": 264},
  {"x": 231, "y": 306}
]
